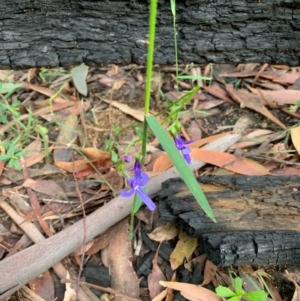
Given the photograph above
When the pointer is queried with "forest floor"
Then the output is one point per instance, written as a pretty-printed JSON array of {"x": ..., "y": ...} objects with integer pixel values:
[{"x": 64, "y": 133}]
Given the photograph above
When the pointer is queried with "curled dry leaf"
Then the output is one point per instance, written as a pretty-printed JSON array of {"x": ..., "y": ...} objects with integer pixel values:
[
  {"x": 123, "y": 276},
  {"x": 184, "y": 249},
  {"x": 155, "y": 276},
  {"x": 96, "y": 154},
  {"x": 191, "y": 291},
  {"x": 209, "y": 272},
  {"x": 76, "y": 166},
  {"x": 165, "y": 232}
]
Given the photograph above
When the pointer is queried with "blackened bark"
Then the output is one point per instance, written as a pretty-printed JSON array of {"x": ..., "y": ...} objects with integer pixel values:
[
  {"x": 62, "y": 33},
  {"x": 257, "y": 217}
]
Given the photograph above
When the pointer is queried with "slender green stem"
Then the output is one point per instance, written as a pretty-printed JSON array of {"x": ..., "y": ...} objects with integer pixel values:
[
  {"x": 144, "y": 142},
  {"x": 175, "y": 44},
  {"x": 130, "y": 235},
  {"x": 152, "y": 26}
]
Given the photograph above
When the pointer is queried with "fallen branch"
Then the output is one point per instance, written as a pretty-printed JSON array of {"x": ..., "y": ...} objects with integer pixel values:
[{"x": 20, "y": 268}]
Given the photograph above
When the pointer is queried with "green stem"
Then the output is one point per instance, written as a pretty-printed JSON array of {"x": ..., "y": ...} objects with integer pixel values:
[
  {"x": 175, "y": 45},
  {"x": 152, "y": 26},
  {"x": 130, "y": 235}
]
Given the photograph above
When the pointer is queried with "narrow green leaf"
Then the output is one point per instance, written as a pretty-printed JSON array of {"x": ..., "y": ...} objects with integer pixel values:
[
  {"x": 137, "y": 205},
  {"x": 225, "y": 292},
  {"x": 189, "y": 95},
  {"x": 173, "y": 8},
  {"x": 180, "y": 164},
  {"x": 194, "y": 77},
  {"x": 79, "y": 74},
  {"x": 256, "y": 295}
]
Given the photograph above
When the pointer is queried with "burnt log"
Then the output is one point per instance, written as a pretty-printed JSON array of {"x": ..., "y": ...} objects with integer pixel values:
[
  {"x": 257, "y": 217},
  {"x": 62, "y": 33}
]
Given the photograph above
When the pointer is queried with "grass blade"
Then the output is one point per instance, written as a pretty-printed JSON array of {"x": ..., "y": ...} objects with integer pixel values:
[{"x": 180, "y": 164}]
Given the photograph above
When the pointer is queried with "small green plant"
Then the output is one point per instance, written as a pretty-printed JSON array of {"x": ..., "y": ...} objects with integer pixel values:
[
  {"x": 237, "y": 293},
  {"x": 12, "y": 154}
]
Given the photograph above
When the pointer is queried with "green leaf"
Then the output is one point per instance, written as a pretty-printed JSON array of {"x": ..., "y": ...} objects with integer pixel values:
[
  {"x": 114, "y": 156},
  {"x": 12, "y": 162},
  {"x": 225, "y": 292},
  {"x": 137, "y": 205},
  {"x": 173, "y": 7},
  {"x": 20, "y": 154},
  {"x": 194, "y": 77},
  {"x": 180, "y": 164},
  {"x": 238, "y": 286},
  {"x": 256, "y": 295},
  {"x": 4, "y": 157},
  {"x": 79, "y": 78},
  {"x": 9, "y": 87}
]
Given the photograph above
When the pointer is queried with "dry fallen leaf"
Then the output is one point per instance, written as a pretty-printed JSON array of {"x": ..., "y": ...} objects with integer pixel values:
[
  {"x": 230, "y": 162},
  {"x": 48, "y": 187},
  {"x": 154, "y": 277},
  {"x": 137, "y": 114},
  {"x": 209, "y": 272},
  {"x": 253, "y": 102},
  {"x": 296, "y": 296},
  {"x": 43, "y": 285},
  {"x": 165, "y": 232},
  {"x": 184, "y": 249},
  {"x": 295, "y": 134},
  {"x": 191, "y": 291},
  {"x": 124, "y": 278},
  {"x": 68, "y": 134},
  {"x": 96, "y": 154}
]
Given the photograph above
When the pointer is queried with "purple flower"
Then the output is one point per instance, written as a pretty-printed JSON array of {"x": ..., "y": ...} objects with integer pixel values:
[
  {"x": 136, "y": 184},
  {"x": 127, "y": 158},
  {"x": 181, "y": 146}
]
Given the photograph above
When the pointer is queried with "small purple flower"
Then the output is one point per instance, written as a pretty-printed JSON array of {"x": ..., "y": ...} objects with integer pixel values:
[
  {"x": 136, "y": 183},
  {"x": 181, "y": 146},
  {"x": 127, "y": 158}
]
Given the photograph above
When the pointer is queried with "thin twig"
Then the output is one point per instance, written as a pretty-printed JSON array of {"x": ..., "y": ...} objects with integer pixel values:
[{"x": 84, "y": 230}]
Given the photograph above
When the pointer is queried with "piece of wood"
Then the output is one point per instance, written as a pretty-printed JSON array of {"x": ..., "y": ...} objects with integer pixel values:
[
  {"x": 63, "y": 33},
  {"x": 257, "y": 217}
]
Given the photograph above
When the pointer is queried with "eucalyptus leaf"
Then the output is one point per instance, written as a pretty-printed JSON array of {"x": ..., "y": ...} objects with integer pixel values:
[
  {"x": 180, "y": 164},
  {"x": 79, "y": 74}
]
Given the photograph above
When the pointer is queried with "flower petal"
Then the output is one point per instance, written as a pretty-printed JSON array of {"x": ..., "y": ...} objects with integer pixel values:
[
  {"x": 186, "y": 151},
  {"x": 127, "y": 193},
  {"x": 187, "y": 158},
  {"x": 145, "y": 198},
  {"x": 141, "y": 178},
  {"x": 127, "y": 158}
]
